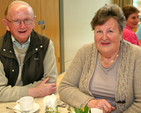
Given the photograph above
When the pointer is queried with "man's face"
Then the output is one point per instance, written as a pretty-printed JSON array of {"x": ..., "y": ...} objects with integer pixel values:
[{"x": 22, "y": 31}]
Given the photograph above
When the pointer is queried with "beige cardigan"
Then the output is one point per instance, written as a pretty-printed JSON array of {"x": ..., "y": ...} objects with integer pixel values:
[{"x": 74, "y": 87}]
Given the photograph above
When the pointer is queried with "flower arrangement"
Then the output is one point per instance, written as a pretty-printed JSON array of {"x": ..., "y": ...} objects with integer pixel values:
[
  {"x": 50, "y": 110},
  {"x": 81, "y": 110}
]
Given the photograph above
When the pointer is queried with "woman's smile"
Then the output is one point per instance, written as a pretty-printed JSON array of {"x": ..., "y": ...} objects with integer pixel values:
[{"x": 105, "y": 43}]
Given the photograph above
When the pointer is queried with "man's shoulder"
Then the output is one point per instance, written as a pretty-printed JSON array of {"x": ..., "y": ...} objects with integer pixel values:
[
  {"x": 1, "y": 40},
  {"x": 36, "y": 37}
]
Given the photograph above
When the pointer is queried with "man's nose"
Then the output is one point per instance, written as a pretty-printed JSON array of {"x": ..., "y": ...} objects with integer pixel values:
[{"x": 22, "y": 24}]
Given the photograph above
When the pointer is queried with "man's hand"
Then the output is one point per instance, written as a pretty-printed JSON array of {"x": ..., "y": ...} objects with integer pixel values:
[{"x": 42, "y": 89}]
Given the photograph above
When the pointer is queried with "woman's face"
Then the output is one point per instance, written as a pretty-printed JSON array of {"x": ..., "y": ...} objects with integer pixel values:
[
  {"x": 132, "y": 20},
  {"x": 108, "y": 37}
]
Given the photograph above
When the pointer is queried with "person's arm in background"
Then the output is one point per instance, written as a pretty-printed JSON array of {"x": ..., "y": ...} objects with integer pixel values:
[
  {"x": 138, "y": 32},
  {"x": 9, "y": 93}
]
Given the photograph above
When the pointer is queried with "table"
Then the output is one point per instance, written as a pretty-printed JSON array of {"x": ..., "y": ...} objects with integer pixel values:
[{"x": 36, "y": 100}]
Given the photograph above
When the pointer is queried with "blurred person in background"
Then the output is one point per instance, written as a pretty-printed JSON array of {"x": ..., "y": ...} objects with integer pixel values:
[{"x": 132, "y": 20}]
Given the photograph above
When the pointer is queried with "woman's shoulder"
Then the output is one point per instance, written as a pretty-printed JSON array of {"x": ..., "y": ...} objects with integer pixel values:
[
  {"x": 87, "y": 47},
  {"x": 134, "y": 49}
]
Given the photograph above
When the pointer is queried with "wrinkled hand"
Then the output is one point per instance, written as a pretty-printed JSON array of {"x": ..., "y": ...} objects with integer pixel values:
[
  {"x": 101, "y": 104},
  {"x": 42, "y": 89}
]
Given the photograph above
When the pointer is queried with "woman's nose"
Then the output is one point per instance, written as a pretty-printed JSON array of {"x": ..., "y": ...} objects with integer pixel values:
[
  {"x": 137, "y": 19},
  {"x": 104, "y": 36}
]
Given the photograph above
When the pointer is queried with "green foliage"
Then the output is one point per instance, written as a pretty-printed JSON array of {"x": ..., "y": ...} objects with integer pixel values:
[
  {"x": 81, "y": 110},
  {"x": 50, "y": 110}
]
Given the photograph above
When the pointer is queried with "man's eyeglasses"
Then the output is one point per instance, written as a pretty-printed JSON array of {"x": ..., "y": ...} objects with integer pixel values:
[{"x": 18, "y": 22}]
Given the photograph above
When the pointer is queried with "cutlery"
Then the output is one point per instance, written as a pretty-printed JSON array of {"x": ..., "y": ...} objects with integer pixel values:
[{"x": 18, "y": 110}]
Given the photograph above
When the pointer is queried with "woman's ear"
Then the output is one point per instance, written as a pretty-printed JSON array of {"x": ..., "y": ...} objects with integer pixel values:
[{"x": 5, "y": 23}]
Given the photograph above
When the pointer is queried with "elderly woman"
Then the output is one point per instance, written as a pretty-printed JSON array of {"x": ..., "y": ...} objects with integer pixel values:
[
  {"x": 105, "y": 74},
  {"x": 132, "y": 19}
]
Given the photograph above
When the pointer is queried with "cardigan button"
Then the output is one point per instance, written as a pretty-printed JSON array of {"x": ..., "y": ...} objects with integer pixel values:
[
  {"x": 13, "y": 70},
  {"x": 10, "y": 51}
]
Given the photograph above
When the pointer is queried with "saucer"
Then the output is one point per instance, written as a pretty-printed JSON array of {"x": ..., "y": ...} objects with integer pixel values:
[{"x": 36, "y": 107}]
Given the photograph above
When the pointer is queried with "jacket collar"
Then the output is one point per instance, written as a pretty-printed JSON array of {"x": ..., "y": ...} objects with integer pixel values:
[
  {"x": 35, "y": 40},
  {"x": 128, "y": 28},
  {"x": 7, "y": 45}
]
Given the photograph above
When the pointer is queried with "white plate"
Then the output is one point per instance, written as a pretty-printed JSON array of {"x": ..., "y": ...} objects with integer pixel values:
[{"x": 36, "y": 107}]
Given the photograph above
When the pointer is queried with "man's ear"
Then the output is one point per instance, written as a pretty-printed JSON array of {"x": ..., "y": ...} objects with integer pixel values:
[
  {"x": 5, "y": 23},
  {"x": 34, "y": 18},
  {"x": 34, "y": 21}
]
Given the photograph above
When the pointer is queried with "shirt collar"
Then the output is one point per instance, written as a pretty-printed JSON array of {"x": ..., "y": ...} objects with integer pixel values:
[
  {"x": 24, "y": 45},
  {"x": 128, "y": 27}
]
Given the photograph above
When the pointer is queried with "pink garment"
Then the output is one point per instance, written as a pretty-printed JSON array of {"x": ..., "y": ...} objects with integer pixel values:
[{"x": 130, "y": 36}]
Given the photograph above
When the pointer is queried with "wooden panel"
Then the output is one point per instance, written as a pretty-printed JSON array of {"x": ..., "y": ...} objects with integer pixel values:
[
  {"x": 59, "y": 78},
  {"x": 3, "y": 6},
  {"x": 48, "y": 11},
  {"x": 50, "y": 14},
  {"x": 35, "y": 4}
]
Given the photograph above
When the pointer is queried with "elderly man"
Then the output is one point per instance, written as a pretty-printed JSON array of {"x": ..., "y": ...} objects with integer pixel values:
[{"x": 27, "y": 60}]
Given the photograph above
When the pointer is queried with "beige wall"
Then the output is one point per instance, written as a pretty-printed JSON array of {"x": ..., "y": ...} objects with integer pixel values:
[{"x": 77, "y": 15}]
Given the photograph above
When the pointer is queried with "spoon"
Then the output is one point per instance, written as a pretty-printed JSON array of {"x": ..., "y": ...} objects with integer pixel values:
[{"x": 18, "y": 110}]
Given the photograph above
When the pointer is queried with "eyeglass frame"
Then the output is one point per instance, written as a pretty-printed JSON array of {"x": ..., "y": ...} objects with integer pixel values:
[{"x": 19, "y": 21}]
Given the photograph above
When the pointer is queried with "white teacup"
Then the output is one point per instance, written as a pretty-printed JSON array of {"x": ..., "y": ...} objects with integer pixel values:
[
  {"x": 50, "y": 101},
  {"x": 96, "y": 110},
  {"x": 26, "y": 103}
]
